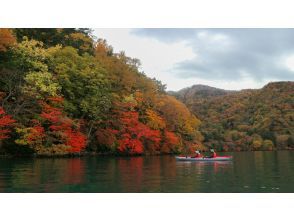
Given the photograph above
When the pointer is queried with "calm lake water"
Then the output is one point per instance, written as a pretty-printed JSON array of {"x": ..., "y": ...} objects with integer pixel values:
[{"x": 248, "y": 172}]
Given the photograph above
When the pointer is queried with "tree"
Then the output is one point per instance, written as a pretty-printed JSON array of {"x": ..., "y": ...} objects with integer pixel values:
[
  {"x": 257, "y": 142},
  {"x": 171, "y": 142},
  {"x": 66, "y": 92},
  {"x": 6, "y": 39},
  {"x": 41, "y": 85},
  {"x": 62, "y": 127},
  {"x": 179, "y": 118},
  {"x": 236, "y": 116},
  {"x": 79, "y": 38},
  {"x": 268, "y": 145},
  {"x": 6, "y": 122},
  {"x": 84, "y": 85},
  {"x": 102, "y": 49},
  {"x": 52, "y": 132},
  {"x": 282, "y": 141},
  {"x": 106, "y": 139},
  {"x": 154, "y": 121},
  {"x": 25, "y": 78},
  {"x": 133, "y": 134}
]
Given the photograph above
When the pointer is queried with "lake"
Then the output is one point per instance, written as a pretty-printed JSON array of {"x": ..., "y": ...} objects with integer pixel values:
[{"x": 248, "y": 172}]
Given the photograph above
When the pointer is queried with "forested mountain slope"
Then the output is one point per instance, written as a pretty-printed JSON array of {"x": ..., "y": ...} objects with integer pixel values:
[
  {"x": 261, "y": 119},
  {"x": 62, "y": 91}
]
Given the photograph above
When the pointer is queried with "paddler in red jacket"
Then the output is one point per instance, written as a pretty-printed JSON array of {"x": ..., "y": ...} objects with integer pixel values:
[
  {"x": 213, "y": 154},
  {"x": 198, "y": 154}
]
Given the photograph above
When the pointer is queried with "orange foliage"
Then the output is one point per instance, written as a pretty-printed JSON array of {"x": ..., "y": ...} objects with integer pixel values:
[
  {"x": 171, "y": 141},
  {"x": 6, "y": 39},
  {"x": 154, "y": 120}
]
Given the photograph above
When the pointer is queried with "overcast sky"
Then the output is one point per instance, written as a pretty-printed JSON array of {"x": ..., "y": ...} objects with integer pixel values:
[{"x": 224, "y": 58}]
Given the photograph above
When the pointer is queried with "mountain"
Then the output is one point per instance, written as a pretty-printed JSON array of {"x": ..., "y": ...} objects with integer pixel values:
[
  {"x": 251, "y": 119},
  {"x": 199, "y": 91}
]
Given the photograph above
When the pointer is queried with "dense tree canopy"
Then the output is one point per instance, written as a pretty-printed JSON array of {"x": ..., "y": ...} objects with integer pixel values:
[
  {"x": 247, "y": 120},
  {"x": 62, "y": 92}
]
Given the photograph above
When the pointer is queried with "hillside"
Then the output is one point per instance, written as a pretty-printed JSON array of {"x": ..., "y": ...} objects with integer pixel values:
[
  {"x": 62, "y": 92},
  {"x": 261, "y": 119}
]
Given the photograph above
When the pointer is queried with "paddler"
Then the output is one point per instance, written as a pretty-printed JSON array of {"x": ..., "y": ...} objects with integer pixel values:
[
  {"x": 198, "y": 154},
  {"x": 213, "y": 154}
]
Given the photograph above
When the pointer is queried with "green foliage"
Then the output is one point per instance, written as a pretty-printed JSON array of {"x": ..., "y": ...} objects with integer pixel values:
[
  {"x": 84, "y": 84},
  {"x": 30, "y": 55},
  {"x": 102, "y": 90},
  {"x": 67, "y": 91},
  {"x": 242, "y": 120},
  {"x": 40, "y": 85},
  {"x": 79, "y": 38}
]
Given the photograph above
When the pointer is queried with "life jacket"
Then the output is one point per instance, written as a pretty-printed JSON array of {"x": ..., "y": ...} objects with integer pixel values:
[{"x": 213, "y": 155}]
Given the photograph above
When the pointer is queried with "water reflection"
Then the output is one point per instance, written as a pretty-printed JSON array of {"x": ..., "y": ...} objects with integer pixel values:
[{"x": 248, "y": 172}]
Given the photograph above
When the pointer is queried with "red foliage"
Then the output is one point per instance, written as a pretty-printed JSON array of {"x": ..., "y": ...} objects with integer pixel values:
[
  {"x": 63, "y": 126},
  {"x": 51, "y": 113},
  {"x": 57, "y": 99},
  {"x": 170, "y": 141},
  {"x": 171, "y": 138},
  {"x": 76, "y": 140},
  {"x": 5, "y": 122},
  {"x": 132, "y": 146},
  {"x": 133, "y": 134},
  {"x": 37, "y": 133}
]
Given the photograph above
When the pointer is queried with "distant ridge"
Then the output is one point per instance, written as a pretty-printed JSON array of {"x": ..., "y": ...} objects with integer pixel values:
[
  {"x": 249, "y": 119},
  {"x": 199, "y": 91}
]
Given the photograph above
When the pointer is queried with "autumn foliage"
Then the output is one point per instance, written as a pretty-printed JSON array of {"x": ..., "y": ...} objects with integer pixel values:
[
  {"x": 169, "y": 142},
  {"x": 6, "y": 39},
  {"x": 53, "y": 128},
  {"x": 75, "y": 94},
  {"x": 255, "y": 119},
  {"x": 133, "y": 134},
  {"x": 6, "y": 122},
  {"x": 62, "y": 126}
]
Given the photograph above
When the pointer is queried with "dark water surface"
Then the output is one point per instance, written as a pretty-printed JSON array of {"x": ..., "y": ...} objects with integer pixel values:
[{"x": 248, "y": 172}]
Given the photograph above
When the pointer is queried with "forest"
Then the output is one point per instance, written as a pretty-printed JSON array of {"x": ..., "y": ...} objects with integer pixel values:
[
  {"x": 246, "y": 120},
  {"x": 65, "y": 92}
]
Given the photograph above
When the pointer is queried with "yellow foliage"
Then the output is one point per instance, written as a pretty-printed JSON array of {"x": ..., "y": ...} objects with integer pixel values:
[
  {"x": 178, "y": 117},
  {"x": 154, "y": 120}
]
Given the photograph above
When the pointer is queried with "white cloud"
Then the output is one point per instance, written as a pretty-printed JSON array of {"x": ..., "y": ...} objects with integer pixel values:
[
  {"x": 224, "y": 58},
  {"x": 290, "y": 63},
  {"x": 156, "y": 57}
]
